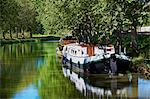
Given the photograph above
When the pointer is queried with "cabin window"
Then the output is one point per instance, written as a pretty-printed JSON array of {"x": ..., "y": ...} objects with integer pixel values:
[
  {"x": 82, "y": 52},
  {"x": 75, "y": 52},
  {"x": 108, "y": 49},
  {"x": 66, "y": 48},
  {"x": 69, "y": 50}
]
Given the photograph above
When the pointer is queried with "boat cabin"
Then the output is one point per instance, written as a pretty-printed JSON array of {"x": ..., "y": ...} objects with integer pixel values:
[{"x": 79, "y": 50}]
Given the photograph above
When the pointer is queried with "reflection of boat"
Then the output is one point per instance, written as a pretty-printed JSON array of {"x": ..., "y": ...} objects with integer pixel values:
[
  {"x": 98, "y": 85},
  {"x": 95, "y": 59},
  {"x": 64, "y": 41}
]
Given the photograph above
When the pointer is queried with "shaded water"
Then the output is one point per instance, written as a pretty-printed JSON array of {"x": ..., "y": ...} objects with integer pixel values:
[{"x": 31, "y": 71}]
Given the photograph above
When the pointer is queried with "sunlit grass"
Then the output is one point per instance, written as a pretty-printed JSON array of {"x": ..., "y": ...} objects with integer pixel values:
[{"x": 45, "y": 35}]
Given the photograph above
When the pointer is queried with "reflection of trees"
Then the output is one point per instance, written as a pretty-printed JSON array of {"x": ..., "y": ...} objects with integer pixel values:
[
  {"x": 53, "y": 85},
  {"x": 17, "y": 67}
]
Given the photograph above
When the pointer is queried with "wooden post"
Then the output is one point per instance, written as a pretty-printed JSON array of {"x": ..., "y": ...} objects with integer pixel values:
[
  {"x": 125, "y": 50},
  {"x": 119, "y": 49}
]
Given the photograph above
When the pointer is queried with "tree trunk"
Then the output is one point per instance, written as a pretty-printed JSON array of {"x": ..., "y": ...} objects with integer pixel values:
[
  {"x": 119, "y": 42},
  {"x": 3, "y": 34},
  {"x": 133, "y": 39},
  {"x": 30, "y": 34},
  {"x": 20, "y": 31},
  {"x": 17, "y": 32},
  {"x": 10, "y": 32},
  {"x": 23, "y": 33},
  {"x": 120, "y": 38}
]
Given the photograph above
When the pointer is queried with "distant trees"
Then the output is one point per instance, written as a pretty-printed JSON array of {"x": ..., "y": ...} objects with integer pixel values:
[
  {"x": 7, "y": 15},
  {"x": 17, "y": 16}
]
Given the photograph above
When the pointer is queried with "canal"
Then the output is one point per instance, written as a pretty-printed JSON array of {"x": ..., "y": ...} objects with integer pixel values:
[{"x": 32, "y": 71}]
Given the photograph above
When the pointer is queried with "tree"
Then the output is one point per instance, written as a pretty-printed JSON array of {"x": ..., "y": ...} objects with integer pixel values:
[
  {"x": 72, "y": 15},
  {"x": 87, "y": 18},
  {"x": 17, "y": 16},
  {"x": 8, "y": 15},
  {"x": 117, "y": 15},
  {"x": 26, "y": 16}
]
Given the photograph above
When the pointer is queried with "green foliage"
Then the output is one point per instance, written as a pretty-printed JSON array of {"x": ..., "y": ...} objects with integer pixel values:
[
  {"x": 137, "y": 61},
  {"x": 18, "y": 16},
  {"x": 86, "y": 18},
  {"x": 37, "y": 28},
  {"x": 70, "y": 15},
  {"x": 8, "y": 13},
  {"x": 119, "y": 16}
]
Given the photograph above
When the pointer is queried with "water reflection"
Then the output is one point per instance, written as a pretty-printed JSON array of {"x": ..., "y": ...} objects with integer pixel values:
[
  {"x": 30, "y": 70},
  {"x": 144, "y": 88},
  {"x": 106, "y": 86},
  {"x": 52, "y": 84},
  {"x": 94, "y": 86},
  {"x": 17, "y": 67},
  {"x": 26, "y": 93}
]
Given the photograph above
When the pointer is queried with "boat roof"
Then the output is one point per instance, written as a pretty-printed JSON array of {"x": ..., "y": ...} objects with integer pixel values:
[
  {"x": 86, "y": 45},
  {"x": 79, "y": 45},
  {"x": 69, "y": 38}
]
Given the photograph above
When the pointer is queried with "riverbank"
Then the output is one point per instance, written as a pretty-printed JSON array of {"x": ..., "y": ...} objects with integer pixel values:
[
  {"x": 33, "y": 39},
  {"x": 142, "y": 66}
]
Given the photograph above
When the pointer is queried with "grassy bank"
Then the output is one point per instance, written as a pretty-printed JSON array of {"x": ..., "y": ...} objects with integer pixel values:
[
  {"x": 11, "y": 41},
  {"x": 25, "y": 37},
  {"x": 45, "y": 35},
  {"x": 33, "y": 39}
]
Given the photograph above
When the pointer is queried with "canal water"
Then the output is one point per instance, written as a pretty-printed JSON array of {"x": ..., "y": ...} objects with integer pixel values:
[{"x": 32, "y": 71}]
